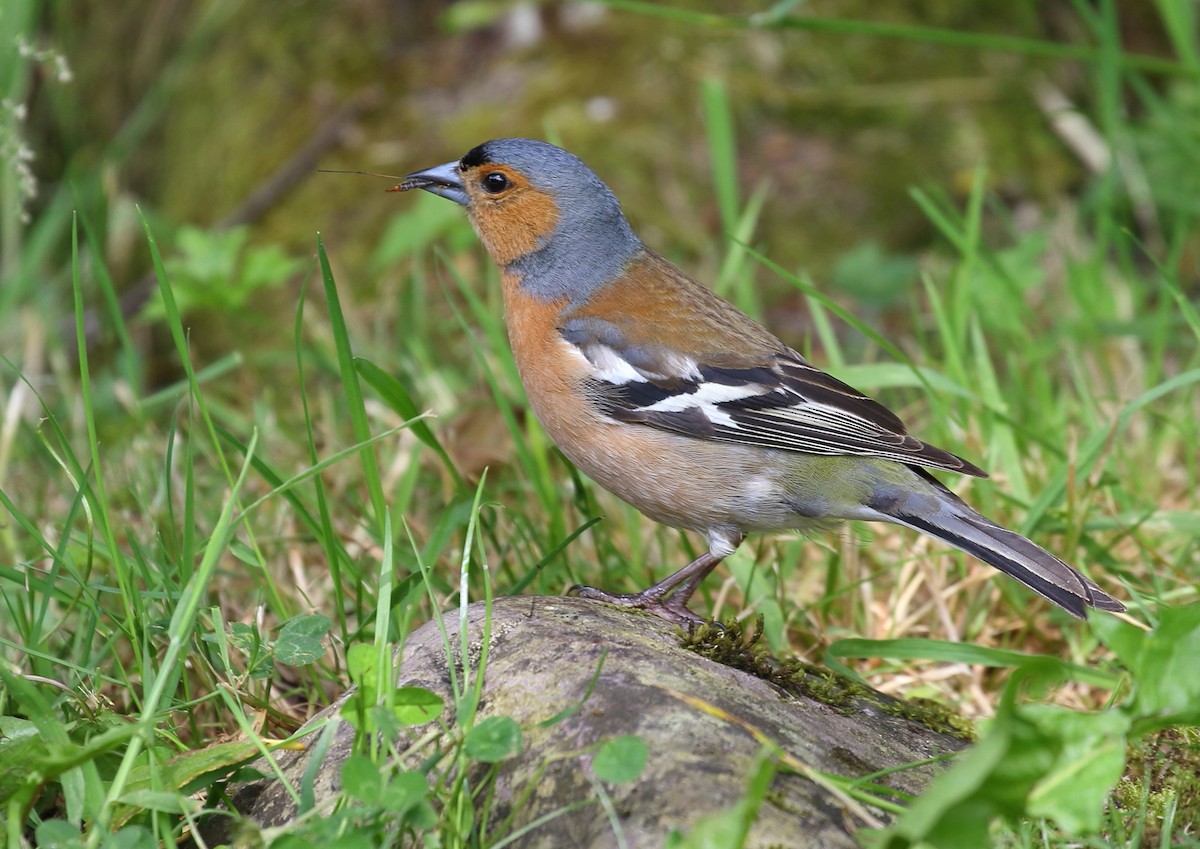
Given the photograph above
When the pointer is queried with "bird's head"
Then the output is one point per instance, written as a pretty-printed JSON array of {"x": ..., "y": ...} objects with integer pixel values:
[{"x": 541, "y": 213}]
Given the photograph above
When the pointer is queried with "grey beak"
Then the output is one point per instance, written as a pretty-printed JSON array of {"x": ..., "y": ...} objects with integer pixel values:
[{"x": 442, "y": 180}]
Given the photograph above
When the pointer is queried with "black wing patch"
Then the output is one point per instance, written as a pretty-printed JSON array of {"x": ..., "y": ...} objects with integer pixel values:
[{"x": 792, "y": 406}]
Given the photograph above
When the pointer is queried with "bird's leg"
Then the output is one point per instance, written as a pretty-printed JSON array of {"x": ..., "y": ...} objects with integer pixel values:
[{"x": 668, "y": 598}]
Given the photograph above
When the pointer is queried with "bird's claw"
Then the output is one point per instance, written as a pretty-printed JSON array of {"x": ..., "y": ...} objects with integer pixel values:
[{"x": 653, "y": 603}]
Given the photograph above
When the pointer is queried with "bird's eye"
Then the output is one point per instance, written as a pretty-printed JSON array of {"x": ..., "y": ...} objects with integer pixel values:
[{"x": 494, "y": 183}]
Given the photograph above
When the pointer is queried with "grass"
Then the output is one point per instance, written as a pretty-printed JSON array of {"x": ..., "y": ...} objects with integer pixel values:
[{"x": 202, "y": 552}]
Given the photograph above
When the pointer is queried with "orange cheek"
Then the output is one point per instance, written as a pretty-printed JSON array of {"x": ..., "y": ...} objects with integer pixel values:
[{"x": 515, "y": 226}]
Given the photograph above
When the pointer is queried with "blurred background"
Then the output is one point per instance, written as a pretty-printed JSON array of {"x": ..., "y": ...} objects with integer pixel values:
[{"x": 211, "y": 114}]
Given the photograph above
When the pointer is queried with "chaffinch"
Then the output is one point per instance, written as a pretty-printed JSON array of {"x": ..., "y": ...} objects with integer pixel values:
[{"x": 680, "y": 404}]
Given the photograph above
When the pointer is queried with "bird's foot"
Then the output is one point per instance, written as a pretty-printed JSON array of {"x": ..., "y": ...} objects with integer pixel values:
[{"x": 654, "y": 603}]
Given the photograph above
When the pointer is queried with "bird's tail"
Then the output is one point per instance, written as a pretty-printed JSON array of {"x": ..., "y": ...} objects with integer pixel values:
[{"x": 954, "y": 522}]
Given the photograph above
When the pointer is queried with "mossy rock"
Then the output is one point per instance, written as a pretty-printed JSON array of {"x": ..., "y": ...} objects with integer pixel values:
[{"x": 574, "y": 673}]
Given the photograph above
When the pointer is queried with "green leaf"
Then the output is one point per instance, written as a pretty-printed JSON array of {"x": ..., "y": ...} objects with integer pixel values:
[
  {"x": 360, "y": 663},
  {"x": 243, "y": 637},
  {"x": 621, "y": 759},
  {"x": 1033, "y": 761},
  {"x": 22, "y": 750},
  {"x": 214, "y": 269},
  {"x": 131, "y": 837},
  {"x": 206, "y": 257},
  {"x": 58, "y": 834},
  {"x": 1073, "y": 792},
  {"x": 361, "y": 779},
  {"x": 422, "y": 816},
  {"x": 267, "y": 266},
  {"x": 351, "y": 839},
  {"x": 416, "y": 705},
  {"x": 307, "y": 625},
  {"x": 404, "y": 791},
  {"x": 493, "y": 739},
  {"x": 301, "y": 639},
  {"x": 1167, "y": 670},
  {"x": 873, "y": 275},
  {"x": 160, "y": 800},
  {"x": 1163, "y": 664},
  {"x": 1124, "y": 639}
]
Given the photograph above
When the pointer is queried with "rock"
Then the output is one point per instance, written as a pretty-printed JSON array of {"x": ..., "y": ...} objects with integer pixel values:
[{"x": 705, "y": 724}]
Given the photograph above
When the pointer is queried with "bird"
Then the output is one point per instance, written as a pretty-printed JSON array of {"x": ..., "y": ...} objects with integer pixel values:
[{"x": 680, "y": 404}]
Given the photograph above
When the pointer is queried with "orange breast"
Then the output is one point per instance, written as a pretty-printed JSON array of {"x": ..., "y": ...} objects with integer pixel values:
[
  {"x": 673, "y": 479},
  {"x": 551, "y": 374}
]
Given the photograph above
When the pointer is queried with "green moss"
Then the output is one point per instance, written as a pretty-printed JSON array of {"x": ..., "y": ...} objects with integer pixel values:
[
  {"x": 1162, "y": 773},
  {"x": 731, "y": 645}
]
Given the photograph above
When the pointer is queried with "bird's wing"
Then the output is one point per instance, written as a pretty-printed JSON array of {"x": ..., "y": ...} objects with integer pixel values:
[{"x": 778, "y": 401}]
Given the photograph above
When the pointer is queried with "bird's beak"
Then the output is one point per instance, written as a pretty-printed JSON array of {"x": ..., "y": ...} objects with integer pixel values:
[{"x": 443, "y": 181}]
